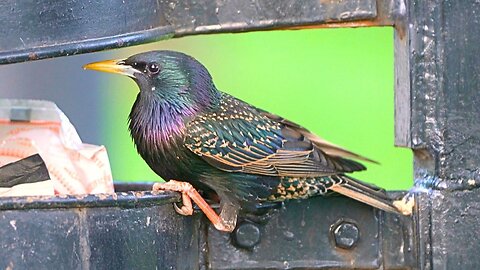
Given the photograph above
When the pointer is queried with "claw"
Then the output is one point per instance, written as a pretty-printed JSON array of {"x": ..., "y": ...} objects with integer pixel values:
[{"x": 183, "y": 210}]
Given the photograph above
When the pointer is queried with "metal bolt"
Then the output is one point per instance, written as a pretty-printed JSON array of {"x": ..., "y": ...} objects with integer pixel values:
[
  {"x": 346, "y": 235},
  {"x": 246, "y": 235}
]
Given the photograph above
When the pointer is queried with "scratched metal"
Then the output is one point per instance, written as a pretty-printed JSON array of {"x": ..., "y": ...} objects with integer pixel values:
[
  {"x": 194, "y": 17},
  {"x": 440, "y": 116},
  {"x": 135, "y": 230},
  {"x": 122, "y": 199},
  {"x": 43, "y": 29},
  {"x": 300, "y": 236},
  {"x": 443, "y": 114}
]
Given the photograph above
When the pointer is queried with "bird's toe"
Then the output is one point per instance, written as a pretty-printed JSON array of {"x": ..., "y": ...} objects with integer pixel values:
[
  {"x": 224, "y": 227},
  {"x": 183, "y": 210}
]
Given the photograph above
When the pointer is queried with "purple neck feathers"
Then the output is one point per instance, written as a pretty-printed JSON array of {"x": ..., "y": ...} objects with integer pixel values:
[{"x": 156, "y": 125}]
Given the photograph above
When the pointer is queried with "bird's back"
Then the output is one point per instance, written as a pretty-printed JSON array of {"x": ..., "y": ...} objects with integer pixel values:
[
  {"x": 238, "y": 137},
  {"x": 254, "y": 155}
]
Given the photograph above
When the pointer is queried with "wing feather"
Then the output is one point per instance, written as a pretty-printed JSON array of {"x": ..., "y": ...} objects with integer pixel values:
[{"x": 244, "y": 139}]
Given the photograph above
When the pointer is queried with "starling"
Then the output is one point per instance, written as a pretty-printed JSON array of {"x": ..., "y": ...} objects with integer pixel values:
[{"x": 200, "y": 138}]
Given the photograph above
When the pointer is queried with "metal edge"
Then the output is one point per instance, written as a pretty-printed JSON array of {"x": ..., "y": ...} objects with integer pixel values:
[
  {"x": 129, "y": 199},
  {"x": 87, "y": 46}
]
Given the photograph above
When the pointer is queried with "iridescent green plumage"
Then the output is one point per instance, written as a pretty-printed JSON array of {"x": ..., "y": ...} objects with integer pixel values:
[
  {"x": 186, "y": 129},
  {"x": 239, "y": 138}
]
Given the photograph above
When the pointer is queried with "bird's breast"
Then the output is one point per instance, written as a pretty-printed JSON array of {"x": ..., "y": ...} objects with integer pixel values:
[{"x": 158, "y": 133}]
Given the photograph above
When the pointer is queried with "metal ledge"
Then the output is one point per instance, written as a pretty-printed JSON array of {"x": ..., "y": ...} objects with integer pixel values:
[{"x": 128, "y": 199}]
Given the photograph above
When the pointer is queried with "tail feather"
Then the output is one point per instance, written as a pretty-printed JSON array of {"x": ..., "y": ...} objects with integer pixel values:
[{"x": 365, "y": 193}]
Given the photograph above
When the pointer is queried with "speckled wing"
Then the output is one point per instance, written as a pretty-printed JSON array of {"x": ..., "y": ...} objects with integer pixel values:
[
  {"x": 324, "y": 145},
  {"x": 240, "y": 138}
]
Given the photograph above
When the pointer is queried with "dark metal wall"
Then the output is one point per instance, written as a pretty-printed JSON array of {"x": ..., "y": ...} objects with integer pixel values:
[{"x": 444, "y": 125}]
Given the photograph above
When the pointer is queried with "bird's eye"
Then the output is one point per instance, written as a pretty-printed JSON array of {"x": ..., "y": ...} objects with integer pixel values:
[{"x": 153, "y": 68}]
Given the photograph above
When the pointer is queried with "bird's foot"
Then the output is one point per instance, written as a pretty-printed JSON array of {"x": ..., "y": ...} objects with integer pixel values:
[
  {"x": 189, "y": 194},
  {"x": 184, "y": 210},
  {"x": 187, "y": 208},
  {"x": 224, "y": 226}
]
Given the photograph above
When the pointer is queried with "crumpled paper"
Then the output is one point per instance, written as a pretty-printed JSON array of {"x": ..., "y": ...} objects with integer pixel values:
[{"x": 28, "y": 127}]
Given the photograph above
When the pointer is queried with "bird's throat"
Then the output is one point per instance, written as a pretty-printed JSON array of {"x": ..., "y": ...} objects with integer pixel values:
[{"x": 156, "y": 125}]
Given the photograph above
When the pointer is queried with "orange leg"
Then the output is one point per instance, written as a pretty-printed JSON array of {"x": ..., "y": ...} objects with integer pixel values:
[{"x": 188, "y": 194}]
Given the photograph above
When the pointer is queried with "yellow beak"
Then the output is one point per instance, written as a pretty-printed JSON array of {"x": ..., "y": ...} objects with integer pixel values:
[{"x": 112, "y": 66}]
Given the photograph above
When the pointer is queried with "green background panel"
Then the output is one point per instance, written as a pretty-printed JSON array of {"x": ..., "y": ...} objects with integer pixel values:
[{"x": 336, "y": 82}]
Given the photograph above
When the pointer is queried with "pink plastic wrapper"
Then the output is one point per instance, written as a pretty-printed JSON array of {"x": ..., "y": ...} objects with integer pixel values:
[{"x": 32, "y": 126}]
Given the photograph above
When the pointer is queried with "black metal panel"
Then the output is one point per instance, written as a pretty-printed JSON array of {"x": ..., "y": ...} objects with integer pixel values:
[
  {"x": 447, "y": 227},
  {"x": 126, "y": 231},
  {"x": 142, "y": 238},
  {"x": 439, "y": 109},
  {"x": 445, "y": 103},
  {"x": 41, "y": 29},
  {"x": 306, "y": 235},
  {"x": 195, "y": 17},
  {"x": 455, "y": 218},
  {"x": 140, "y": 230},
  {"x": 399, "y": 241},
  {"x": 32, "y": 239}
]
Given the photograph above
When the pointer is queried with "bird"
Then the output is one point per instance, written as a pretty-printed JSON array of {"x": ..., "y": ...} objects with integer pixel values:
[{"x": 202, "y": 139}]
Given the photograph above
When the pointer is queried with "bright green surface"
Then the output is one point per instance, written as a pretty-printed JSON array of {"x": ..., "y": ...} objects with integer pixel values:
[{"x": 336, "y": 82}]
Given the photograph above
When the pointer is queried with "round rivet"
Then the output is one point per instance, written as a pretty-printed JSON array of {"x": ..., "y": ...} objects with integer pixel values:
[
  {"x": 246, "y": 235},
  {"x": 346, "y": 235}
]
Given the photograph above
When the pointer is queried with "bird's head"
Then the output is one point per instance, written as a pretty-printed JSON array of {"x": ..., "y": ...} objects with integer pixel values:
[{"x": 166, "y": 76}]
